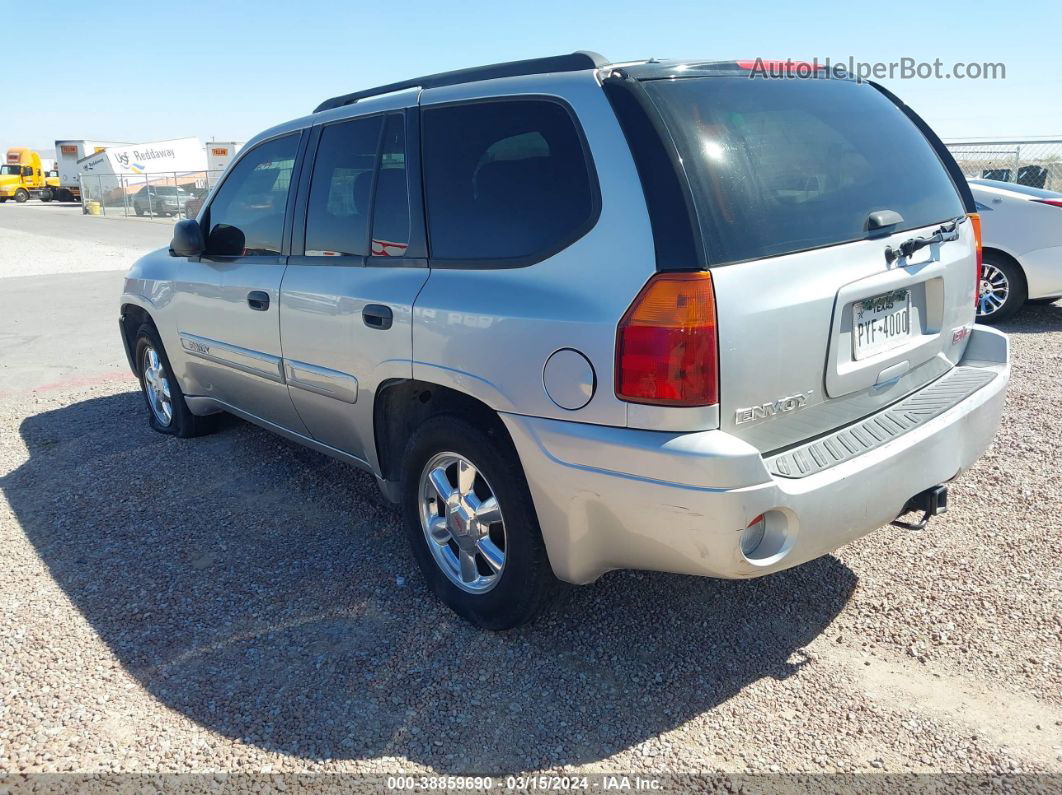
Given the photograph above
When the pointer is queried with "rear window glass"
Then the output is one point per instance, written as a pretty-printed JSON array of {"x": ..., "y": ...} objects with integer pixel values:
[
  {"x": 778, "y": 166},
  {"x": 504, "y": 180}
]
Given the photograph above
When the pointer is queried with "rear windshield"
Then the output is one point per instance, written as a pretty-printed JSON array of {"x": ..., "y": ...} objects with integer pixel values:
[{"x": 784, "y": 165}]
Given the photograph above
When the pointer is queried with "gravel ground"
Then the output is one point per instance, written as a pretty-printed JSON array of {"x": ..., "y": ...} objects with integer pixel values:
[{"x": 237, "y": 603}]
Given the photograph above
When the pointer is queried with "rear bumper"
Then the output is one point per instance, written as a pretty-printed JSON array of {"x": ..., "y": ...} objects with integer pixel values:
[{"x": 613, "y": 498}]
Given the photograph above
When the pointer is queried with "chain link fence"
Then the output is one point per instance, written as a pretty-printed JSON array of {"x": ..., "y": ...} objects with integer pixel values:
[
  {"x": 1037, "y": 164},
  {"x": 165, "y": 194}
]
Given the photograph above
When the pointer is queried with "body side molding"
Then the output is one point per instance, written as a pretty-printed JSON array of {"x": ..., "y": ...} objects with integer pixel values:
[{"x": 248, "y": 361}]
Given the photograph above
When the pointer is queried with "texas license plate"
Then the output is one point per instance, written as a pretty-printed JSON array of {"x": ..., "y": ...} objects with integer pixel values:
[{"x": 880, "y": 323}]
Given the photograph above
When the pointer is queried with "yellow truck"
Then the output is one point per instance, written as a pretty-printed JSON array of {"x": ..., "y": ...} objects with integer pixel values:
[{"x": 23, "y": 178}]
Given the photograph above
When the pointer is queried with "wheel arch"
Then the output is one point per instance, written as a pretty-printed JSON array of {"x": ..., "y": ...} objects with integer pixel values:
[
  {"x": 402, "y": 405},
  {"x": 130, "y": 319}
]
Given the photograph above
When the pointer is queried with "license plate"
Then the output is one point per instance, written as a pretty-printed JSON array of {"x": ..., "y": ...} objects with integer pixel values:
[{"x": 880, "y": 323}]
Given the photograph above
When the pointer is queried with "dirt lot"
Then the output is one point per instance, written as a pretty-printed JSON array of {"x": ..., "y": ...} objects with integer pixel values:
[{"x": 237, "y": 603}]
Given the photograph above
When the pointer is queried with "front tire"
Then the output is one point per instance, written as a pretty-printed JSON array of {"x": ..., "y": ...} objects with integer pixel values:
[
  {"x": 167, "y": 411},
  {"x": 1002, "y": 291},
  {"x": 21, "y": 196},
  {"x": 471, "y": 524}
]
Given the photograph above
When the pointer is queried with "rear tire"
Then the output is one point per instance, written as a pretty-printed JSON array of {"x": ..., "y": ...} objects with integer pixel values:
[
  {"x": 480, "y": 548},
  {"x": 1002, "y": 291},
  {"x": 167, "y": 411}
]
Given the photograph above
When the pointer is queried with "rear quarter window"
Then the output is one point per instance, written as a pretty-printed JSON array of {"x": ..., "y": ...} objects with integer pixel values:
[
  {"x": 506, "y": 182},
  {"x": 779, "y": 166}
]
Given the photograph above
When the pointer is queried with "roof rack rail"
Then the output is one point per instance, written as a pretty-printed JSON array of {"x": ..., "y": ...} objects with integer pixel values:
[{"x": 574, "y": 62}]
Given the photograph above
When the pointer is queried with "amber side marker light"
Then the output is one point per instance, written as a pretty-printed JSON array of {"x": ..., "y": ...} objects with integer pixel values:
[
  {"x": 667, "y": 349},
  {"x": 975, "y": 219}
]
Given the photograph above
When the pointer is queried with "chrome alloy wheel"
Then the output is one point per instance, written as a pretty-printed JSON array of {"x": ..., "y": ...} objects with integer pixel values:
[
  {"x": 462, "y": 522},
  {"x": 995, "y": 289},
  {"x": 157, "y": 387}
]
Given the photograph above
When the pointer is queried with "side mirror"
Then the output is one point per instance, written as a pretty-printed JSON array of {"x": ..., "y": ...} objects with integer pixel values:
[{"x": 187, "y": 239}]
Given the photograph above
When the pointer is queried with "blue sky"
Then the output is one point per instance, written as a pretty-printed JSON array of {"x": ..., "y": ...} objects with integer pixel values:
[{"x": 151, "y": 70}]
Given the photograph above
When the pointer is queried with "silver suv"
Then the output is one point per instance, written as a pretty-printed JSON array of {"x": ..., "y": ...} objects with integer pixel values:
[
  {"x": 161, "y": 200},
  {"x": 577, "y": 316}
]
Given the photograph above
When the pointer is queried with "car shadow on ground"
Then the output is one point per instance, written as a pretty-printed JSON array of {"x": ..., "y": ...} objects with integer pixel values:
[
  {"x": 267, "y": 593},
  {"x": 1034, "y": 319}
]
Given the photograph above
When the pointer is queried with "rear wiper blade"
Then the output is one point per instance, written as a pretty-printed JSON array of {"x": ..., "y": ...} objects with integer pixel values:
[{"x": 947, "y": 232}]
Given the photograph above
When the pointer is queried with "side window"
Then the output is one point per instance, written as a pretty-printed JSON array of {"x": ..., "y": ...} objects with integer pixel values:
[
  {"x": 390, "y": 218},
  {"x": 504, "y": 179},
  {"x": 247, "y": 215},
  {"x": 337, "y": 220}
]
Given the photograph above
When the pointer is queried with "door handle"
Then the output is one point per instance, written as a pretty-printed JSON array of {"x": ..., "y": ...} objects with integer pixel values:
[
  {"x": 377, "y": 316},
  {"x": 257, "y": 299}
]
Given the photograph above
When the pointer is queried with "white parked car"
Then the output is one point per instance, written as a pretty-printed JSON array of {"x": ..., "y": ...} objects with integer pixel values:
[{"x": 1022, "y": 231}]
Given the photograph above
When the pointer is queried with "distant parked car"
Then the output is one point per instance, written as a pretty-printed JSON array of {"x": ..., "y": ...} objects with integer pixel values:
[
  {"x": 1022, "y": 229},
  {"x": 160, "y": 200}
]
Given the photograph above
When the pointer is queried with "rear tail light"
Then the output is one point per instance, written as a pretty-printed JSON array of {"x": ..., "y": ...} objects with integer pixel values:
[
  {"x": 1052, "y": 202},
  {"x": 666, "y": 346},
  {"x": 975, "y": 220}
]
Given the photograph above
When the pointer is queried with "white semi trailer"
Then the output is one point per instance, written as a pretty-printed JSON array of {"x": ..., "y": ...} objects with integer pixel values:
[
  {"x": 118, "y": 173},
  {"x": 67, "y": 155},
  {"x": 220, "y": 154}
]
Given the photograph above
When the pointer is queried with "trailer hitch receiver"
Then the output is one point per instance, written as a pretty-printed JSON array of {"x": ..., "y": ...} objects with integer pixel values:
[{"x": 930, "y": 502}]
